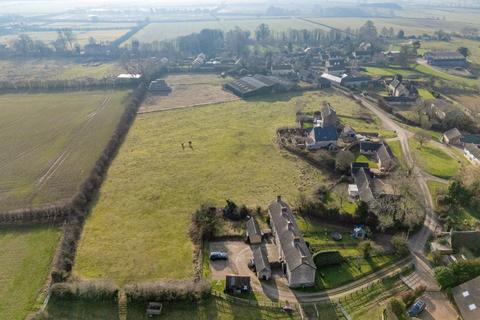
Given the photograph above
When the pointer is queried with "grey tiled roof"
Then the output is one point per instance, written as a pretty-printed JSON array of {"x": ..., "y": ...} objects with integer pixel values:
[
  {"x": 252, "y": 227},
  {"x": 261, "y": 259},
  {"x": 295, "y": 250}
]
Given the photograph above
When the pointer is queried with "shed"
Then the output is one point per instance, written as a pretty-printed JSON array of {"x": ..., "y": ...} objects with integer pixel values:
[
  {"x": 254, "y": 235},
  {"x": 154, "y": 309},
  {"x": 235, "y": 284},
  {"x": 262, "y": 266},
  {"x": 452, "y": 136}
]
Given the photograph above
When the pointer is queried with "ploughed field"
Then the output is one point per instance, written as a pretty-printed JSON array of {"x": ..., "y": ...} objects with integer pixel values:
[
  {"x": 138, "y": 229},
  {"x": 50, "y": 142},
  {"x": 26, "y": 255}
]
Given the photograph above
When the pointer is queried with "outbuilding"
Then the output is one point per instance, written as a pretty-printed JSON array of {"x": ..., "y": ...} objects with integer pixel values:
[
  {"x": 253, "y": 233},
  {"x": 262, "y": 266},
  {"x": 235, "y": 284}
]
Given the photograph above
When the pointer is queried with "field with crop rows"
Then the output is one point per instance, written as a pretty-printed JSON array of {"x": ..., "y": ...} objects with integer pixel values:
[{"x": 50, "y": 143}]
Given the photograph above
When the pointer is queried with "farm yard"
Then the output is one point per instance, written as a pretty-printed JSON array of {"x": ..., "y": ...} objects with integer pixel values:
[
  {"x": 189, "y": 90},
  {"x": 153, "y": 185},
  {"x": 50, "y": 143},
  {"x": 25, "y": 258}
]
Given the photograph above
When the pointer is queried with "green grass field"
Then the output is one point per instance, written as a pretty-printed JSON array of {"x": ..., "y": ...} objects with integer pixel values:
[
  {"x": 22, "y": 69},
  {"x": 26, "y": 254},
  {"x": 68, "y": 309},
  {"x": 425, "y": 94},
  {"x": 50, "y": 142},
  {"x": 433, "y": 159},
  {"x": 213, "y": 308},
  {"x": 153, "y": 186}
]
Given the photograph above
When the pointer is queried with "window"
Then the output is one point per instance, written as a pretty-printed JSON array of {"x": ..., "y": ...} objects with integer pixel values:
[
  {"x": 465, "y": 294},
  {"x": 472, "y": 307}
]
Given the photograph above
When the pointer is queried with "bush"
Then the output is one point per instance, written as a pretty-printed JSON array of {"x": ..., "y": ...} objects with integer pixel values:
[
  {"x": 327, "y": 258},
  {"x": 172, "y": 290},
  {"x": 88, "y": 290},
  {"x": 203, "y": 223},
  {"x": 233, "y": 212},
  {"x": 398, "y": 308},
  {"x": 400, "y": 245},
  {"x": 457, "y": 273},
  {"x": 410, "y": 296}
]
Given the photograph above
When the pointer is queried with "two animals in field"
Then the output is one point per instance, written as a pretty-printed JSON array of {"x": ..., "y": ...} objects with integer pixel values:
[{"x": 190, "y": 145}]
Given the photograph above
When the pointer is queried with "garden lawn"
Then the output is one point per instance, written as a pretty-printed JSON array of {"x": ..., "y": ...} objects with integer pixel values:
[
  {"x": 362, "y": 158},
  {"x": 433, "y": 159},
  {"x": 26, "y": 255},
  {"x": 352, "y": 269},
  {"x": 138, "y": 229},
  {"x": 396, "y": 149},
  {"x": 425, "y": 94}
]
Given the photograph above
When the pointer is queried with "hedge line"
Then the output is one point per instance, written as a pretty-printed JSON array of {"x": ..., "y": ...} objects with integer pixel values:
[{"x": 171, "y": 290}]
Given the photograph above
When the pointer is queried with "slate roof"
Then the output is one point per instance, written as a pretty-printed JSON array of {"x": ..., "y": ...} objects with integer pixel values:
[
  {"x": 295, "y": 250},
  {"x": 467, "y": 239},
  {"x": 473, "y": 149},
  {"x": 453, "y": 133},
  {"x": 467, "y": 298},
  {"x": 252, "y": 227},
  {"x": 325, "y": 134},
  {"x": 159, "y": 85},
  {"x": 261, "y": 259},
  {"x": 370, "y": 146},
  {"x": 363, "y": 180},
  {"x": 383, "y": 154},
  {"x": 234, "y": 281},
  {"x": 355, "y": 166},
  {"x": 471, "y": 138},
  {"x": 327, "y": 111},
  {"x": 351, "y": 78},
  {"x": 445, "y": 55}
]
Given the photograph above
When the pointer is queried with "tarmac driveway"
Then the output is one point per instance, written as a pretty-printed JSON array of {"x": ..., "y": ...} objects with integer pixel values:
[
  {"x": 239, "y": 254},
  {"x": 438, "y": 307}
]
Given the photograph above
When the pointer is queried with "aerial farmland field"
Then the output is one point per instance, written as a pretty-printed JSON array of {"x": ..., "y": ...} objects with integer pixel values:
[
  {"x": 50, "y": 143},
  {"x": 26, "y": 254},
  {"x": 23, "y": 69},
  {"x": 170, "y": 30},
  {"x": 153, "y": 186},
  {"x": 82, "y": 36}
]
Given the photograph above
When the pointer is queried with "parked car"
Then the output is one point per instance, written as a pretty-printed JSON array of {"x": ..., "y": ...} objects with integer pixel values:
[
  {"x": 218, "y": 255},
  {"x": 416, "y": 308}
]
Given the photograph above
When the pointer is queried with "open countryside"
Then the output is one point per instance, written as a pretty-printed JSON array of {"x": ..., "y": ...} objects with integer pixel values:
[
  {"x": 232, "y": 160},
  {"x": 155, "y": 184}
]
